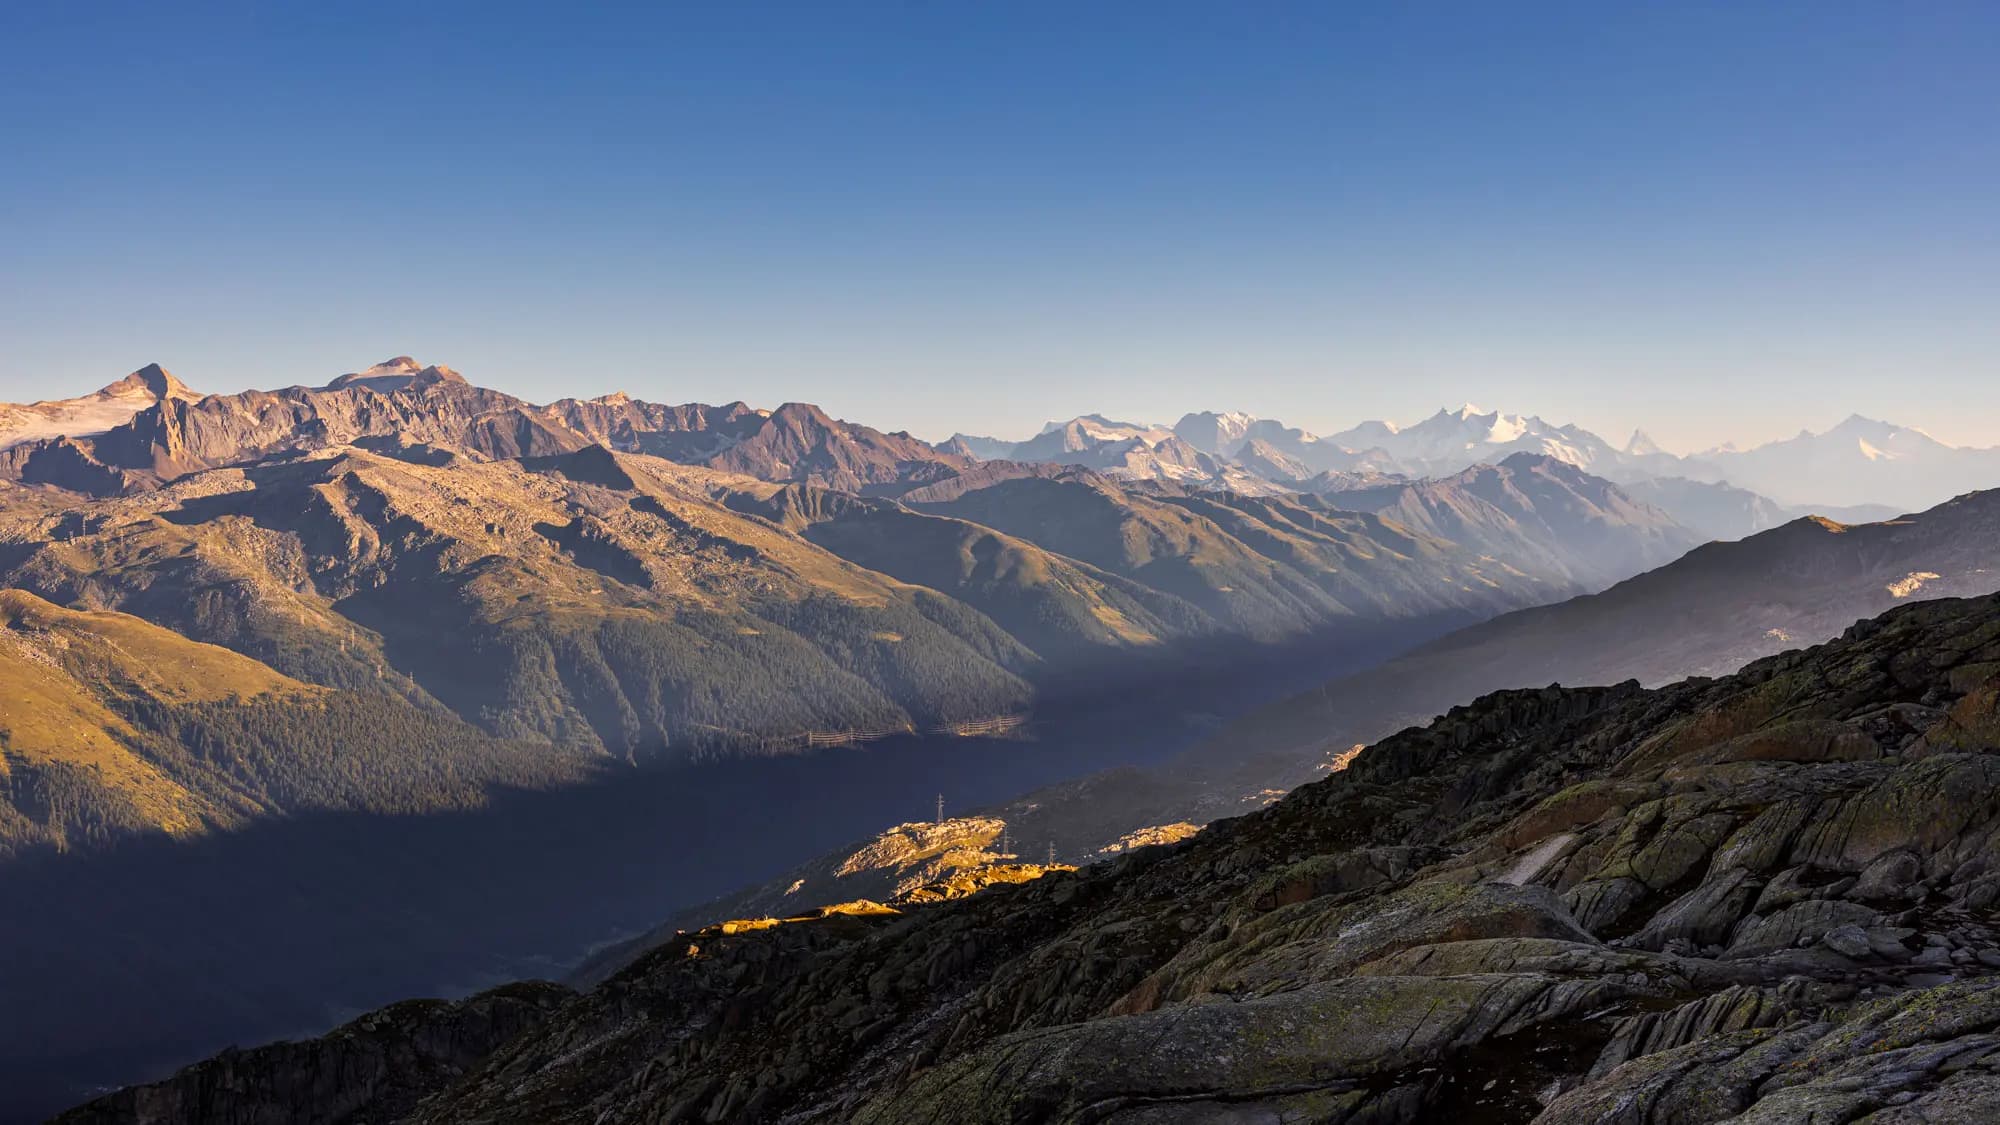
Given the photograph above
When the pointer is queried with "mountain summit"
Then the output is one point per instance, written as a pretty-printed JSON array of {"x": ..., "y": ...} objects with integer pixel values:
[
  {"x": 91, "y": 414},
  {"x": 396, "y": 374}
]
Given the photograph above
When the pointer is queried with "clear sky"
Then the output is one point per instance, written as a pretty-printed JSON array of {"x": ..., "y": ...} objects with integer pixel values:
[{"x": 1720, "y": 221}]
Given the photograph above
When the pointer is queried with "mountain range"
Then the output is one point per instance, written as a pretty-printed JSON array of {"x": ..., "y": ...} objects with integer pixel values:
[
  {"x": 292, "y": 627},
  {"x": 398, "y": 614},
  {"x": 545, "y": 572},
  {"x": 1860, "y": 469},
  {"x": 1856, "y": 471}
]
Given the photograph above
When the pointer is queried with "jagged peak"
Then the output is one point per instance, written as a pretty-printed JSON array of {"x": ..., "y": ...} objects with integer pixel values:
[
  {"x": 151, "y": 379},
  {"x": 1465, "y": 412}
]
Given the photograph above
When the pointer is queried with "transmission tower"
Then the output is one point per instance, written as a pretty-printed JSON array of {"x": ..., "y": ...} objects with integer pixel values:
[
  {"x": 940, "y": 816},
  {"x": 1052, "y": 853}
]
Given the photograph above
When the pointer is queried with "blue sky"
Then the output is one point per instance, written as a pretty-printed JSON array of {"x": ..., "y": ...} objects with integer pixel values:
[{"x": 1723, "y": 222}]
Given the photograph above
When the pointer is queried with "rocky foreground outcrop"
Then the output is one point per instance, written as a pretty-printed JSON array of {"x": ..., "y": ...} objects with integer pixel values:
[
  {"x": 1769, "y": 897},
  {"x": 374, "y": 1069}
]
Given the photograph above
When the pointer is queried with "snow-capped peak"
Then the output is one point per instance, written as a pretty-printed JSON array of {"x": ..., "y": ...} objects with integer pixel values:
[
  {"x": 1506, "y": 428},
  {"x": 87, "y": 415},
  {"x": 1642, "y": 445},
  {"x": 1215, "y": 432}
]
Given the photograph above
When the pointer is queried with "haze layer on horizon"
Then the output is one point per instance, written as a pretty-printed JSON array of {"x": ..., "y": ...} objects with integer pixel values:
[{"x": 1721, "y": 222}]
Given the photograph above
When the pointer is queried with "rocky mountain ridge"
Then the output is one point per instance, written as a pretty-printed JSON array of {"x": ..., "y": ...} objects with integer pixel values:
[
  {"x": 426, "y": 411},
  {"x": 150, "y": 428}
]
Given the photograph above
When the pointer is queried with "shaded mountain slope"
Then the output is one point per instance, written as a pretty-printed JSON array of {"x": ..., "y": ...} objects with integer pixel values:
[
  {"x": 1768, "y": 895},
  {"x": 1065, "y": 611},
  {"x": 1708, "y": 613},
  {"x": 76, "y": 770},
  {"x": 1540, "y": 514},
  {"x": 1272, "y": 565},
  {"x": 111, "y": 727},
  {"x": 1158, "y": 543}
]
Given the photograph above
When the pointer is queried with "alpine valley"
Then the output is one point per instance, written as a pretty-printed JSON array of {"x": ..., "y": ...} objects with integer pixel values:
[{"x": 1126, "y": 773}]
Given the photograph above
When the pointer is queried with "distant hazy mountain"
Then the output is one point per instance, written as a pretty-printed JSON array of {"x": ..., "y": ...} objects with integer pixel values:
[
  {"x": 1127, "y": 450},
  {"x": 1855, "y": 471},
  {"x": 1528, "y": 500},
  {"x": 1213, "y": 433},
  {"x": 1717, "y": 510},
  {"x": 1859, "y": 461},
  {"x": 1245, "y": 453},
  {"x": 1263, "y": 459},
  {"x": 973, "y": 445},
  {"x": 1451, "y": 440},
  {"x": 1720, "y": 510},
  {"x": 1708, "y": 613}
]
